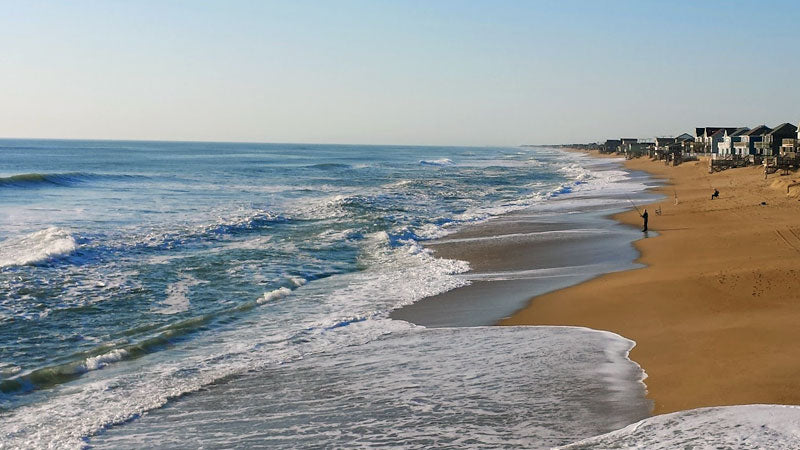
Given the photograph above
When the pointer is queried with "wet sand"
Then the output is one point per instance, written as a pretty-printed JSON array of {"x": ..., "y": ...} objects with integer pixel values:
[
  {"x": 716, "y": 311},
  {"x": 561, "y": 242},
  {"x": 519, "y": 255}
]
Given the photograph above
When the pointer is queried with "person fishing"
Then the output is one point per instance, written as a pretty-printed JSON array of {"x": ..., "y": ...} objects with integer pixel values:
[
  {"x": 644, "y": 217},
  {"x": 642, "y": 214}
]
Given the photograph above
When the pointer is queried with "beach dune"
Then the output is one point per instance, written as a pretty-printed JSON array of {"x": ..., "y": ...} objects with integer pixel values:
[{"x": 716, "y": 311}]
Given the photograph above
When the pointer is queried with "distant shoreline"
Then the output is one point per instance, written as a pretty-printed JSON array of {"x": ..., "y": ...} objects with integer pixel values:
[{"x": 715, "y": 311}]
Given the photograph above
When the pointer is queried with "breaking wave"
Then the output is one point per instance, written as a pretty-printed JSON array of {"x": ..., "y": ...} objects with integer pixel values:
[
  {"x": 274, "y": 295},
  {"x": 436, "y": 162},
  {"x": 37, "y": 247}
]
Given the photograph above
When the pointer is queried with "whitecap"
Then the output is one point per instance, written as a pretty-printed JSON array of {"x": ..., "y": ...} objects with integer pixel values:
[
  {"x": 274, "y": 295},
  {"x": 100, "y": 361},
  {"x": 298, "y": 281},
  {"x": 436, "y": 162},
  {"x": 36, "y": 247}
]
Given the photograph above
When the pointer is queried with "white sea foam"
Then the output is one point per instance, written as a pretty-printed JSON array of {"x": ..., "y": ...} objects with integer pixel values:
[
  {"x": 433, "y": 388},
  {"x": 436, "y": 162},
  {"x": 433, "y": 231},
  {"x": 298, "y": 281},
  {"x": 586, "y": 178},
  {"x": 577, "y": 172},
  {"x": 36, "y": 247},
  {"x": 348, "y": 310},
  {"x": 100, "y": 361},
  {"x": 334, "y": 235},
  {"x": 743, "y": 426},
  {"x": 274, "y": 295},
  {"x": 178, "y": 295}
]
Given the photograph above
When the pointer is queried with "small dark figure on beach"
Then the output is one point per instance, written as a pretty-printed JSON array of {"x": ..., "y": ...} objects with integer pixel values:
[
  {"x": 644, "y": 216},
  {"x": 715, "y": 194}
]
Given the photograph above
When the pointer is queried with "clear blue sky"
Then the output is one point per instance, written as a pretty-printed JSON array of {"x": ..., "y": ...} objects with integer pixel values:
[{"x": 404, "y": 72}]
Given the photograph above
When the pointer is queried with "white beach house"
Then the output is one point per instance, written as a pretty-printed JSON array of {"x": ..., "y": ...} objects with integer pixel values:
[
  {"x": 709, "y": 138},
  {"x": 728, "y": 138}
]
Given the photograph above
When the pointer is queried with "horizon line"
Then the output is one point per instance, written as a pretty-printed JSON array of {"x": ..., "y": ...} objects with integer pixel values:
[{"x": 198, "y": 141}]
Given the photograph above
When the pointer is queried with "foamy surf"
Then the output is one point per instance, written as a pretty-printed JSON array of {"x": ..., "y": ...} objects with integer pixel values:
[
  {"x": 36, "y": 247},
  {"x": 741, "y": 426},
  {"x": 433, "y": 388}
]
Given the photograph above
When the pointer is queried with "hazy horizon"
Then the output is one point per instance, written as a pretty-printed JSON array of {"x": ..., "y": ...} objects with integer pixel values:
[{"x": 384, "y": 73}]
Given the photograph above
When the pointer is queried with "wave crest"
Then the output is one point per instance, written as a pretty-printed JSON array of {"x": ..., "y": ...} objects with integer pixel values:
[
  {"x": 436, "y": 162},
  {"x": 274, "y": 295},
  {"x": 37, "y": 247},
  {"x": 36, "y": 180}
]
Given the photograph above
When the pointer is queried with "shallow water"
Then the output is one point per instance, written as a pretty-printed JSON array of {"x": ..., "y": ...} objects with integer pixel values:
[{"x": 495, "y": 387}]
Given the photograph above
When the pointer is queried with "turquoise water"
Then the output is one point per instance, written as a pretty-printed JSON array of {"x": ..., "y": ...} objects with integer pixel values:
[{"x": 132, "y": 273}]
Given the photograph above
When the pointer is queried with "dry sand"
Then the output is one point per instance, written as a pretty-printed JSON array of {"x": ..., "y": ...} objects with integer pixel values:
[{"x": 716, "y": 312}]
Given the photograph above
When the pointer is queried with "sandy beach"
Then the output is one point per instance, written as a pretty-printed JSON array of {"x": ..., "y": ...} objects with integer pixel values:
[{"x": 715, "y": 312}]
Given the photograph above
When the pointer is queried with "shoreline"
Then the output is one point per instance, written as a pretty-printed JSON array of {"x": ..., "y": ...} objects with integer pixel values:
[
  {"x": 560, "y": 243},
  {"x": 714, "y": 310}
]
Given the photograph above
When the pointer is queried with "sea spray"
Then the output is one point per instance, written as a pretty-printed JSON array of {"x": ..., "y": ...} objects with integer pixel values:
[{"x": 36, "y": 247}]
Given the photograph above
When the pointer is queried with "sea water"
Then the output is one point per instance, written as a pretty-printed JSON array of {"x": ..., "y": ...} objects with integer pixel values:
[{"x": 213, "y": 294}]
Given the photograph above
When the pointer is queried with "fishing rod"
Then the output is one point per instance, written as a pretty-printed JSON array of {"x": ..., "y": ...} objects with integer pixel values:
[{"x": 634, "y": 205}]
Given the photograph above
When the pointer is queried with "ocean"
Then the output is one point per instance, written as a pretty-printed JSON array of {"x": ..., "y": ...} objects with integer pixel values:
[{"x": 177, "y": 294}]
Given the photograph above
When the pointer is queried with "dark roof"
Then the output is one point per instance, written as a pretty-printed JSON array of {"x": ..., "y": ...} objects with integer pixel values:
[
  {"x": 685, "y": 137},
  {"x": 719, "y": 132},
  {"x": 758, "y": 131},
  {"x": 740, "y": 131},
  {"x": 784, "y": 127},
  {"x": 710, "y": 131}
]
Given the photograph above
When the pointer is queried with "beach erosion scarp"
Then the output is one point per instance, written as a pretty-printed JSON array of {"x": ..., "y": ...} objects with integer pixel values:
[{"x": 714, "y": 310}]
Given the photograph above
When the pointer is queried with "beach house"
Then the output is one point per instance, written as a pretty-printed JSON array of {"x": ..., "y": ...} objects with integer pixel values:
[
  {"x": 791, "y": 145},
  {"x": 625, "y": 144},
  {"x": 771, "y": 142},
  {"x": 725, "y": 147},
  {"x": 709, "y": 138},
  {"x": 610, "y": 146},
  {"x": 638, "y": 148},
  {"x": 663, "y": 143},
  {"x": 669, "y": 148},
  {"x": 661, "y": 147},
  {"x": 747, "y": 142},
  {"x": 684, "y": 143}
]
